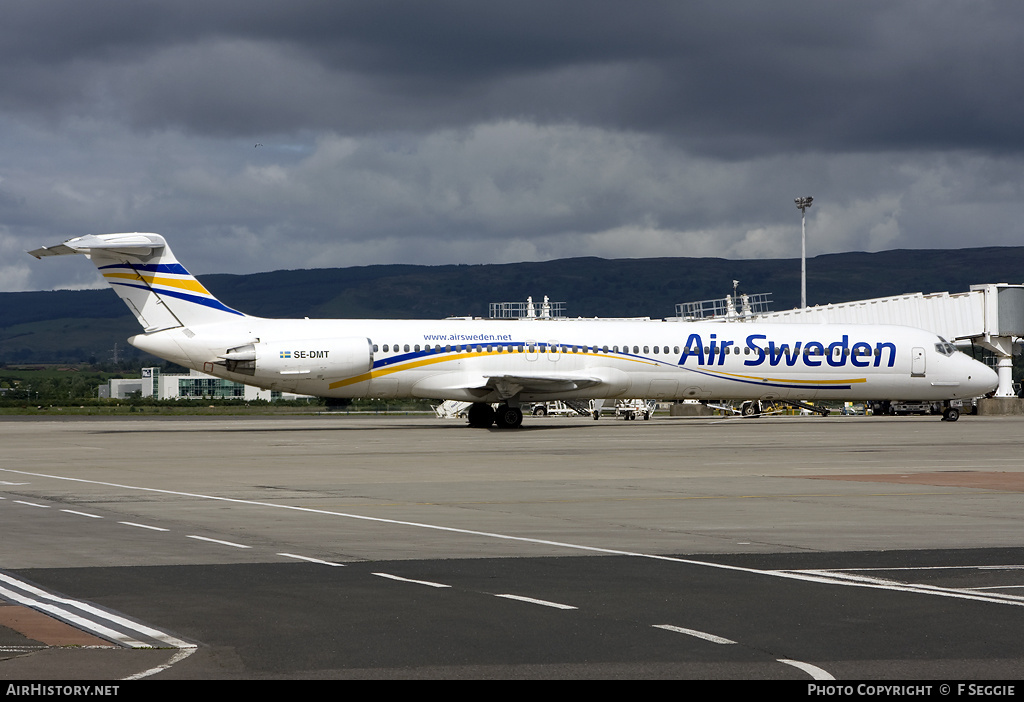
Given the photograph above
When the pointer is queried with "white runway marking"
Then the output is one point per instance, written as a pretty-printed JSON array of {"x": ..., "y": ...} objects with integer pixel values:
[
  {"x": 964, "y": 567},
  {"x": 531, "y": 600},
  {"x": 824, "y": 577},
  {"x": 176, "y": 658},
  {"x": 408, "y": 580},
  {"x": 840, "y": 578},
  {"x": 82, "y": 514},
  {"x": 63, "y": 608},
  {"x": 32, "y": 504},
  {"x": 216, "y": 541},
  {"x": 143, "y": 526},
  {"x": 311, "y": 560},
  {"x": 693, "y": 632},
  {"x": 814, "y": 671},
  {"x": 73, "y": 619}
]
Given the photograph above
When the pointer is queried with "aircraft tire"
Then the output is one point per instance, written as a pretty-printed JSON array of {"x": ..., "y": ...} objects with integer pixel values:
[
  {"x": 951, "y": 414},
  {"x": 508, "y": 417},
  {"x": 481, "y": 415}
]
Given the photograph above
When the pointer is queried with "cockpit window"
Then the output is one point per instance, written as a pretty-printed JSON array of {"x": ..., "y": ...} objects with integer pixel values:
[{"x": 945, "y": 348}]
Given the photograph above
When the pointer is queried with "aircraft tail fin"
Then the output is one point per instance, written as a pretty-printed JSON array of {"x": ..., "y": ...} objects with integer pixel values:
[{"x": 144, "y": 273}]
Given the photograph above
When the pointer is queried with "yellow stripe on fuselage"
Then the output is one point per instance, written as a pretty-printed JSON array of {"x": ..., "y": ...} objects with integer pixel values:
[
  {"x": 409, "y": 365},
  {"x": 459, "y": 355},
  {"x": 450, "y": 355}
]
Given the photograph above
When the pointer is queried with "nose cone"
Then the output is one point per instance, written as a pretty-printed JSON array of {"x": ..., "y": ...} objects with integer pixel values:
[{"x": 980, "y": 379}]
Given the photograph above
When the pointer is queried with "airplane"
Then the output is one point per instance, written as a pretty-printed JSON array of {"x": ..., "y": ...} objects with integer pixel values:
[{"x": 514, "y": 362}]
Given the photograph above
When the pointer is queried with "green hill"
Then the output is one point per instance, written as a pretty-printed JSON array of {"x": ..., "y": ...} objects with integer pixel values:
[{"x": 75, "y": 326}]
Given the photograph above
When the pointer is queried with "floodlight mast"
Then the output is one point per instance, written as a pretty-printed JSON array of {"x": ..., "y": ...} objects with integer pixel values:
[{"x": 802, "y": 203}]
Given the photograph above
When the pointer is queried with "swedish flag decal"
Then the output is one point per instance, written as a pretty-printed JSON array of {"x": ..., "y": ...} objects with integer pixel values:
[{"x": 286, "y": 354}]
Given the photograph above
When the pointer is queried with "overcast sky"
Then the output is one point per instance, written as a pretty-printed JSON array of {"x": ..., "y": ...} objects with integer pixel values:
[{"x": 305, "y": 134}]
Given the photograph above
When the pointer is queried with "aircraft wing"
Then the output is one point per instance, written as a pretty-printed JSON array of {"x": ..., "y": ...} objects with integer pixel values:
[
  {"x": 561, "y": 382},
  {"x": 506, "y": 384}
]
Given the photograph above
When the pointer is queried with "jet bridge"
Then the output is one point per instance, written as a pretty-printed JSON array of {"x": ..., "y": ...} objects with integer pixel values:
[{"x": 990, "y": 315}]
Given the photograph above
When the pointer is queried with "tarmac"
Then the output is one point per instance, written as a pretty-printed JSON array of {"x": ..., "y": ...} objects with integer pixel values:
[{"x": 238, "y": 548}]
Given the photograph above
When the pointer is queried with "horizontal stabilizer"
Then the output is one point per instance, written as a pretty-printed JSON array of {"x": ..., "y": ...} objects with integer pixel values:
[
  {"x": 55, "y": 250},
  {"x": 128, "y": 244}
]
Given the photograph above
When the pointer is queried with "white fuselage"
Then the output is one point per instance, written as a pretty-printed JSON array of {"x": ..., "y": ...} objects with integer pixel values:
[{"x": 487, "y": 361}]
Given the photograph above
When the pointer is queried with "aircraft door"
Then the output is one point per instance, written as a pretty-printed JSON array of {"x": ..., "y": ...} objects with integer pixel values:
[
  {"x": 553, "y": 350},
  {"x": 531, "y": 350},
  {"x": 917, "y": 362}
]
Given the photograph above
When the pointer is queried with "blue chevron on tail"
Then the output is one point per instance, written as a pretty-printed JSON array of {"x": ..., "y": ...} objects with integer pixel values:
[{"x": 143, "y": 272}]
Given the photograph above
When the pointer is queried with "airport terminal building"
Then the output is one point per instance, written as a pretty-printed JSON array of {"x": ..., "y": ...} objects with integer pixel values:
[{"x": 191, "y": 386}]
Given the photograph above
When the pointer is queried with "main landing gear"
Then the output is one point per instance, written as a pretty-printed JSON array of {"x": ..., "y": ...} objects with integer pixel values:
[{"x": 482, "y": 415}]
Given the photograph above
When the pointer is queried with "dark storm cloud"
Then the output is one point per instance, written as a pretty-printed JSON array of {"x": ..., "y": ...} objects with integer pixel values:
[
  {"x": 440, "y": 132},
  {"x": 720, "y": 78}
]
